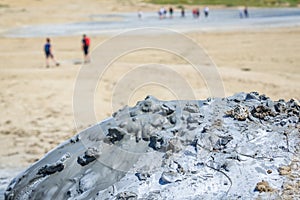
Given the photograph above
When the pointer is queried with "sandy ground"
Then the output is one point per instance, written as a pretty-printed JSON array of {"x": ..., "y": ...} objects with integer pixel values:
[{"x": 36, "y": 103}]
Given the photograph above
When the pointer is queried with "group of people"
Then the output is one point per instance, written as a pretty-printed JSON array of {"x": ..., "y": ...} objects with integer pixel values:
[
  {"x": 196, "y": 12},
  {"x": 85, "y": 42},
  {"x": 162, "y": 13},
  {"x": 85, "y": 45}
]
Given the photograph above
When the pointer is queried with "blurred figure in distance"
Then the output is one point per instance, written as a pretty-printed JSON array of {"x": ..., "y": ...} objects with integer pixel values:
[
  {"x": 49, "y": 53},
  {"x": 171, "y": 12},
  {"x": 206, "y": 11},
  {"x": 85, "y": 48}
]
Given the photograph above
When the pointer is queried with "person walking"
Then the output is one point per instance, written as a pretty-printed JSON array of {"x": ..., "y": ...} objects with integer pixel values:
[
  {"x": 246, "y": 13},
  {"x": 206, "y": 11},
  {"x": 171, "y": 12},
  {"x": 196, "y": 13},
  {"x": 49, "y": 53},
  {"x": 241, "y": 13},
  {"x": 162, "y": 13},
  {"x": 140, "y": 14},
  {"x": 85, "y": 48},
  {"x": 182, "y": 12}
]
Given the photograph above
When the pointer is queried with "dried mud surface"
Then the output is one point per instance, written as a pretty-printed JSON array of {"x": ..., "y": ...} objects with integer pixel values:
[{"x": 244, "y": 146}]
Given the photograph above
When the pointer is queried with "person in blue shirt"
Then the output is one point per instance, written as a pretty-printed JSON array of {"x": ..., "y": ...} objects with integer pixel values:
[{"x": 48, "y": 53}]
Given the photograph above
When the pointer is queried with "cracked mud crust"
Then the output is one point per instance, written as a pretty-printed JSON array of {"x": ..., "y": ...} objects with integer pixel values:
[{"x": 244, "y": 146}]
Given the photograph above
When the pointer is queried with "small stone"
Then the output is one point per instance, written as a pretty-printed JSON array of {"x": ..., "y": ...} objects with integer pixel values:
[
  {"x": 142, "y": 176},
  {"x": 263, "y": 186},
  {"x": 174, "y": 145},
  {"x": 51, "y": 169},
  {"x": 168, "y": 108},
  {"x": 114, "y": 135},
  {"x": 169, "y": 177},
  {"x": 127, "y": 196},
  {"x": 240, "y": 113},
  {"x": 192, "y": 108},
  {"x": 262, "y": 112},
  {"x": 90, "y": 155},
  {"x": 284, "y": 170}
]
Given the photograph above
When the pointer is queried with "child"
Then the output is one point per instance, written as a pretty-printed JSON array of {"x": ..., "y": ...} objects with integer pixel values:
[{"x": 48, "y": 53}]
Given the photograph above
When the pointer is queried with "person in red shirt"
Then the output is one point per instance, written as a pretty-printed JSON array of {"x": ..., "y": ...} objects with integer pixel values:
[{"x": 85, "y": 47}]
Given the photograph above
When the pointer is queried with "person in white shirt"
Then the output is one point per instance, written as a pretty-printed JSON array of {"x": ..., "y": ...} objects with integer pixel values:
[
  {"x": 140, "y": 14},
  {"x": 206, "y": 11}
]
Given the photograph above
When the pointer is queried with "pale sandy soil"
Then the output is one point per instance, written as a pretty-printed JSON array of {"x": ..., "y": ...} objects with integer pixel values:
[{"x": 36, "y": 103}]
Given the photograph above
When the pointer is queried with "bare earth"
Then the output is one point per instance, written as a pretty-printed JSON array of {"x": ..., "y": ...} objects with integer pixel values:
[{"x": 36, "y": 103}]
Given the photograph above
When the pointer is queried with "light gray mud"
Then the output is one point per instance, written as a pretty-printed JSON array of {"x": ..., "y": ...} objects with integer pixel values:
[{"x": 237, "y": 147}]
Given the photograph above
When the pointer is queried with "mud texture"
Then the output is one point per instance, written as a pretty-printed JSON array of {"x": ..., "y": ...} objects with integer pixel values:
[{"x": 241, "y": 147}]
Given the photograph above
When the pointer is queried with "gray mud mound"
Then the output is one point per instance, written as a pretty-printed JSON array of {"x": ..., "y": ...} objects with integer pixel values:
[{"x": 245, "y": 146}]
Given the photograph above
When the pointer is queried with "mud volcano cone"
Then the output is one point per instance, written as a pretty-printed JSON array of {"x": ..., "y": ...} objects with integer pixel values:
[{"x": 244, "y": 146}]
